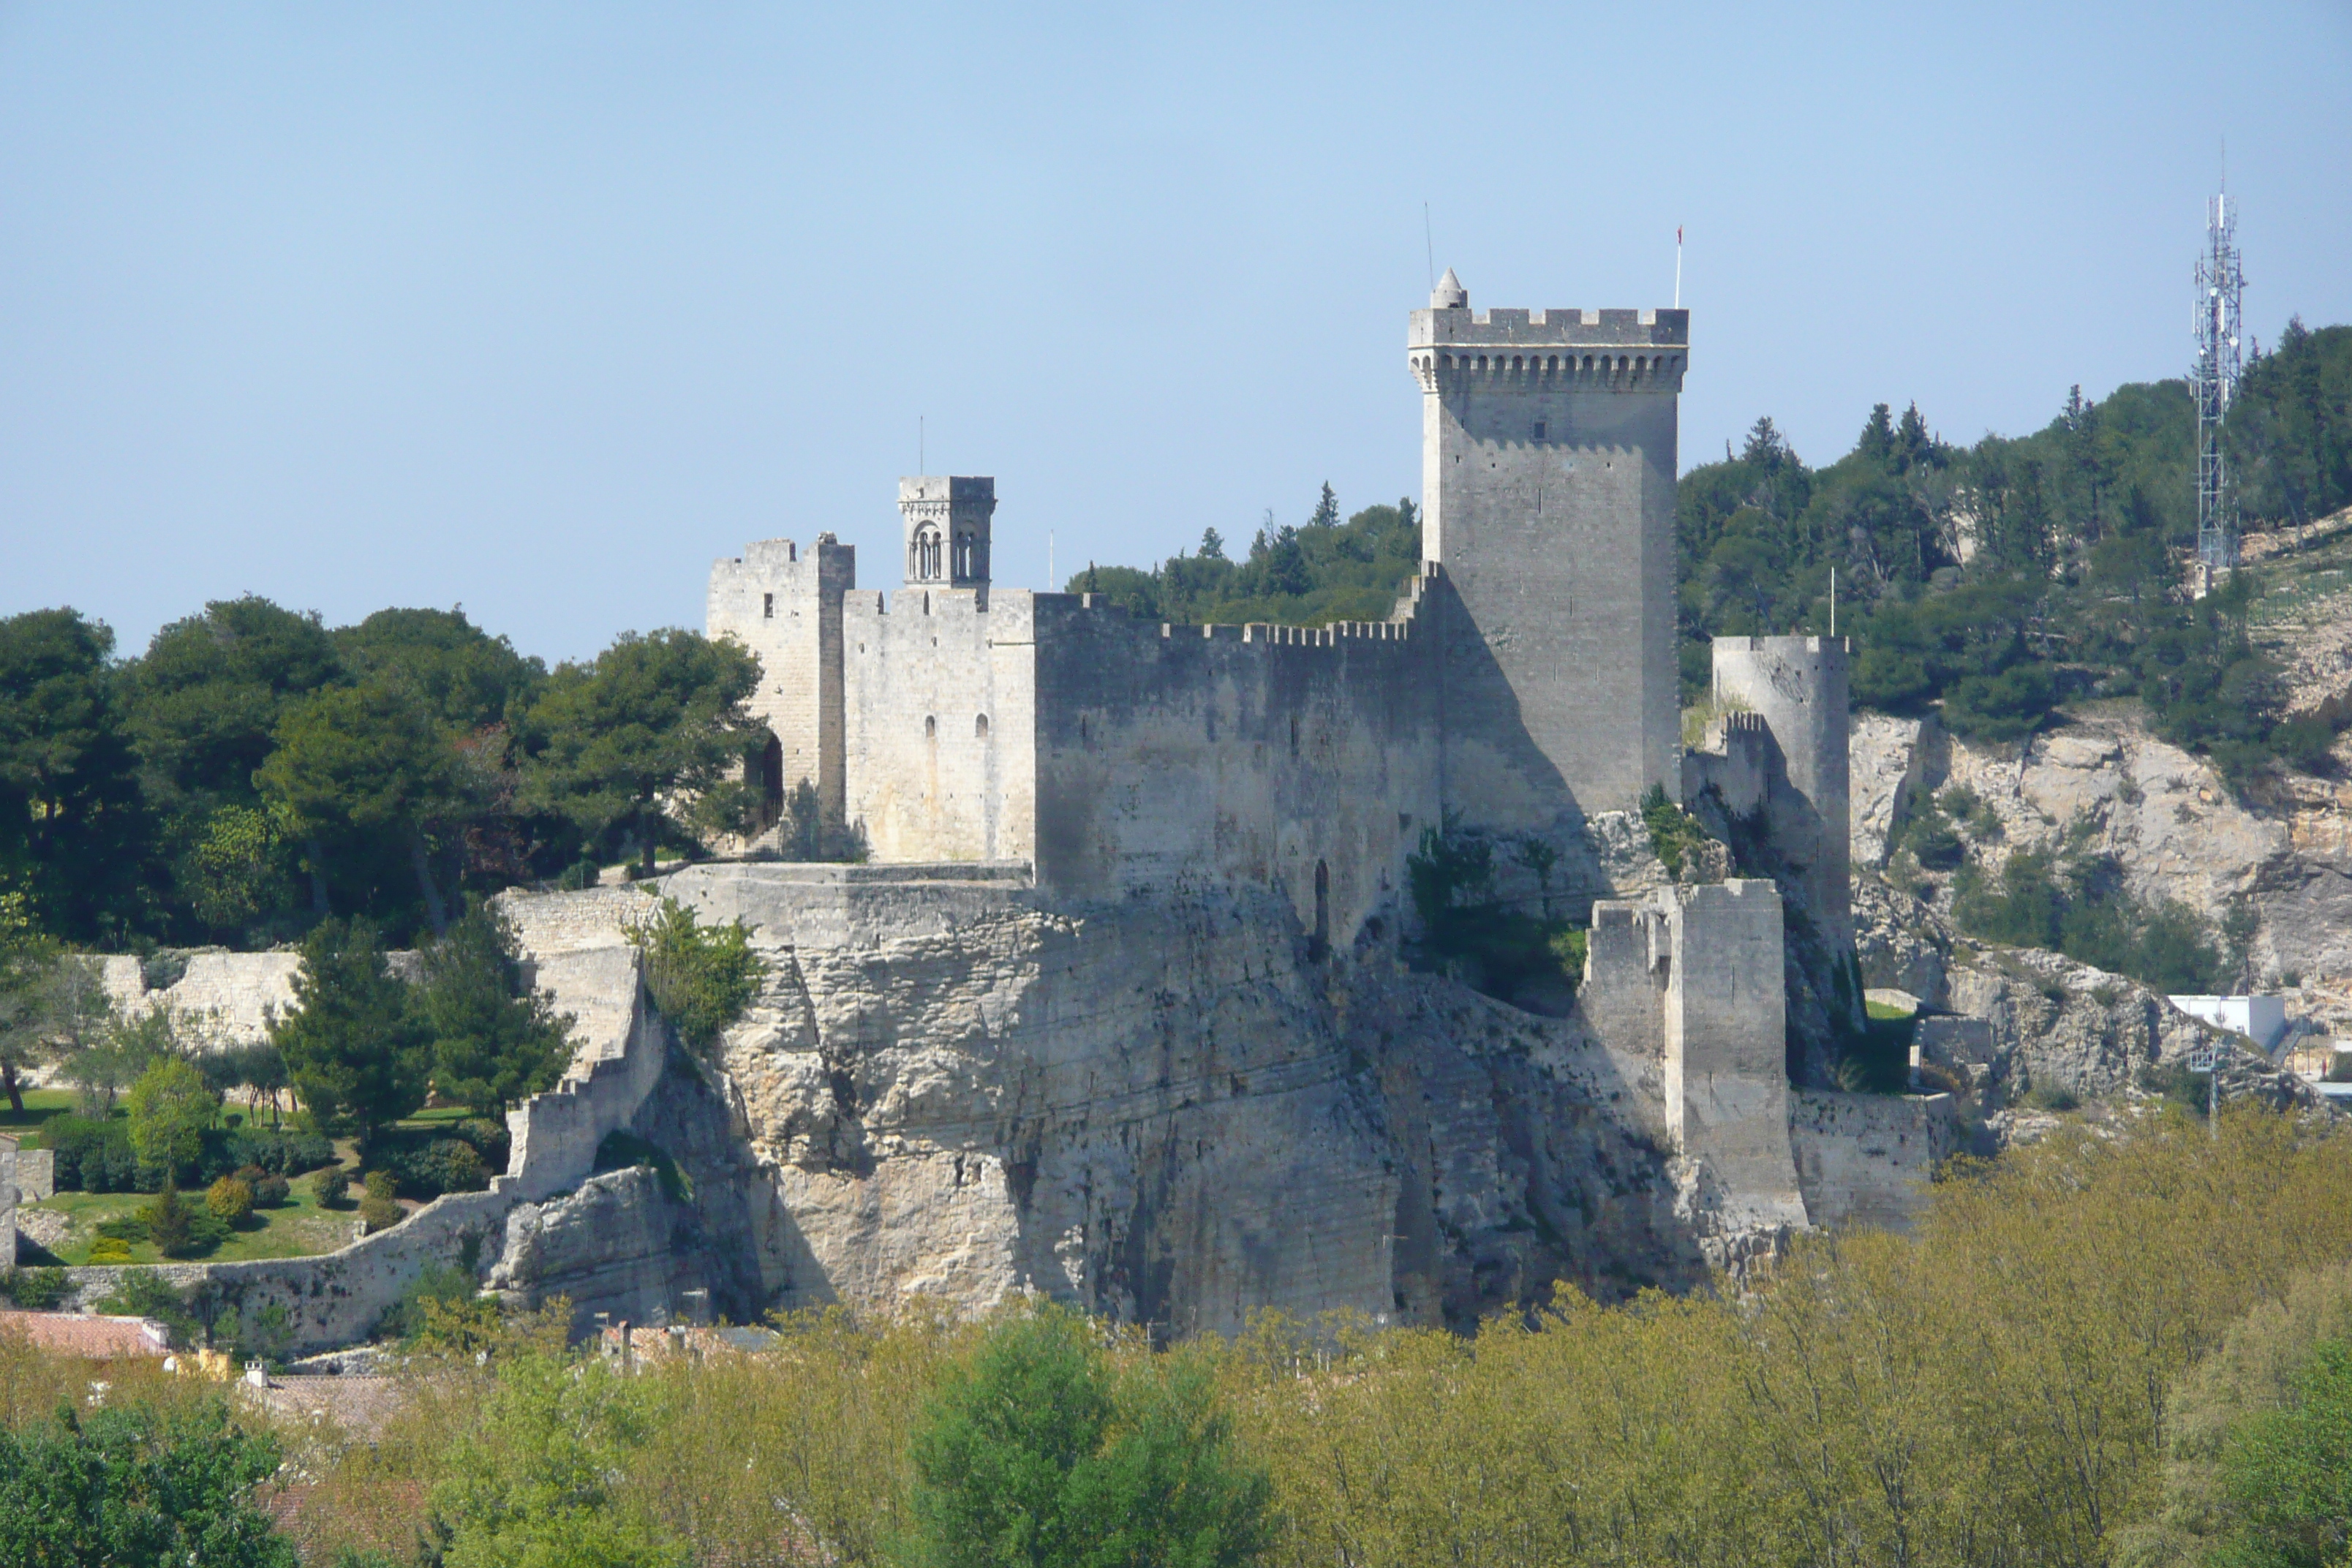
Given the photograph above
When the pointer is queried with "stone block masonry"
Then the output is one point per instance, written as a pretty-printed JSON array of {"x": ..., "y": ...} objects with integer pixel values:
[{"x": 1548, "y": 456}]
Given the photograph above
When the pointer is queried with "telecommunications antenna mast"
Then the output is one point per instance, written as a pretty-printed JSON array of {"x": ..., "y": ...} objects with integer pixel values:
[{"x": 2214, "y": 380}]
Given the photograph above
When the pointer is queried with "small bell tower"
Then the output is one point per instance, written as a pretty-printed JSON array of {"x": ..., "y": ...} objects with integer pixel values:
[{"x": 947, "y": 530}]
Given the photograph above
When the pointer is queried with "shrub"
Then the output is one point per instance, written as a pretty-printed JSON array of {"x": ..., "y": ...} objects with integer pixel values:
[
  {"x": 34, "y": 1289},
  {"x": 443, "y": 1165},
  {"x": 271, "y": 1191},
  {"x": 91, "y": 1155},
  {"x": 701, "y": 977},
  {"x": 230, "y": 1200},
  {"x": 444, "y": 1284},
  {"x": 332, "y": 1186},
  {"x": 169, "y": 1223},
  {"x": 108, "y": 1249},
  {"x": 378, "y": 1211}
]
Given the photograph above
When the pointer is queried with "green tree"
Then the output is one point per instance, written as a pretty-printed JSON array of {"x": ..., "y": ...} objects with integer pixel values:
[
  {"x": 2287, "y": 1473},
  {"x": 74, "y": 829},
  {"x": 466, "y": 676},
  {"x": 496, "y": 1041},
  {"x": 28, "y": 963},
  {"x": 143, "y": 1486},
  {"x": 656, "y": 720},
  {"x": 1037, "y": 1453},
  {"x": 701, "y": 977},
  {"x": 1326, "y": 509},
  {"x": 358, "y": 1052},
  {"x": 533, "y": 1484},
  {"x": 170, "y": 1105},
  {"x": 371, "y": 762}
]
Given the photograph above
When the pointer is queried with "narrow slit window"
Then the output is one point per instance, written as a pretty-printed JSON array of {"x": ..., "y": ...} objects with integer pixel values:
[
  {"x": 1539, "y": 429},
  {"x": 768, "y": 607}
]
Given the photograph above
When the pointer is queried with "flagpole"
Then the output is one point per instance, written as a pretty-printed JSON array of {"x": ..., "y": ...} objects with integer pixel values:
[{"x": 1678, "y": 267}]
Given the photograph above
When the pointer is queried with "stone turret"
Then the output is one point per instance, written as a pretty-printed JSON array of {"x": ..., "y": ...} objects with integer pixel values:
[
  {"x": 1547, "y": 483},
  {"x": 947, "y": 520},
  {"x": 1796, "y": 686}
]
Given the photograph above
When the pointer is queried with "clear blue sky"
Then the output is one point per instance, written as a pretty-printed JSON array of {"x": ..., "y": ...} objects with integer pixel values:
[{"x": 539, "y": 308}]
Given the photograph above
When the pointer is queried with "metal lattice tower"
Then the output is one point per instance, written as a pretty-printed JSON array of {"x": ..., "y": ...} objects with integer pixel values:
[{"x": 2219, "y": 284}]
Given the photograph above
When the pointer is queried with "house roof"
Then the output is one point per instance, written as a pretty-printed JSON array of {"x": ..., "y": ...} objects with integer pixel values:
[{"x": 84, "y": 1334}]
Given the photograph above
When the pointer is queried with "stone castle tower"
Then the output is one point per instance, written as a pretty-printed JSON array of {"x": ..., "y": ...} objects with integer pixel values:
[
  {"x": 1548, "y": 496},
  {"x": 947, "y": 521}
]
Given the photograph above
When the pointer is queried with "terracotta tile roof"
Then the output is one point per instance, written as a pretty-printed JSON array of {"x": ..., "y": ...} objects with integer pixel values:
[
  {"x": 98, "y": 1338},
  {"x": 359, "y": 1405}
]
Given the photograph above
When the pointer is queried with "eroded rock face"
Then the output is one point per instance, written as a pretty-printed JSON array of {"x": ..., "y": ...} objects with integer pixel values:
[
  {"x": 1168, "y": 1109},
  {"x": 2102, "y": 785}
]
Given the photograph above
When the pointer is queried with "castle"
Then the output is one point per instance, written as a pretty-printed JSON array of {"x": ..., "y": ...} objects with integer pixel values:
[
  {"x": 1117, "y": 1007},
  {"x": 1525, "y": 688}
]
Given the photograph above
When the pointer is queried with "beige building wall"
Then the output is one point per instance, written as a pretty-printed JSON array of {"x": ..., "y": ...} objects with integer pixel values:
[
  {"x": 785, "y": 605},
  {"x": 938, "y": 699}
]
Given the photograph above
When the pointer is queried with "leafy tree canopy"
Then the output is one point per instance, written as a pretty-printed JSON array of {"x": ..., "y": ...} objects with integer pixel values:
[
  {"x": 208, "y": 695},
  {"x": 1328, "y": 571},
  {"x": 466, "y": 677},
  {"x": 138, "y": 1486},
  {"x": 655, "y": 719},
  {"x": 1038, "y": 1454},
  {"x": 74, "y": 829}
]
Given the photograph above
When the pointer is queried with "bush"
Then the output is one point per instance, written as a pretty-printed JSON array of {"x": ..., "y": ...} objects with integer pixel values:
[
  {"x": 169, "y": 1223},
  {"x": 91, "y": 1155},
  {"x": 143, "y": 1293},
  {"x": 230, "y": 1200},
  {"x": 378, "y": 1210},
  {"x": 110, "y": 1249},
  {"x": 701, "y": 977},
  {"x": 443, "y": 1165},
  {"x": 332, "y": 1186},
  {"x": 271, "y": 1192},
  {"x": 444, "y": 1284},
  {"x": 34, "y": 1289}
]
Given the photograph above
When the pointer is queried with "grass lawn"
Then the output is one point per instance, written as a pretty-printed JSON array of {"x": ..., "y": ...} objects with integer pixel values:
[
  {"x": 40, "y": 1104},
  {"x": 298, "y": 1229}
]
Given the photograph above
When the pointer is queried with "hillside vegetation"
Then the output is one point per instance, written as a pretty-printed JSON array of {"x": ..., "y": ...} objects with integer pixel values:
[{"x": 2115, "y": 1347}]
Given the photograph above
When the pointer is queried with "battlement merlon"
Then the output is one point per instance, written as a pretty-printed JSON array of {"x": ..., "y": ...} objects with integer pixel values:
[{"x": 1459, "y": 330}]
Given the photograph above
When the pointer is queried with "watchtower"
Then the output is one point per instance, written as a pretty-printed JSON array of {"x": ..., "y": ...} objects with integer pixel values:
[
  {"x": 1547, "y": 498},
  {"x": 947, "y": 530}
]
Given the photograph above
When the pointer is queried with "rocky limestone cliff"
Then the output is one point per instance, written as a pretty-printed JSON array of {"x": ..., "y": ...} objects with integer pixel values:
[
  {"x": 1170, "y": 1109},
  {"x": 2101, "y": 784}
]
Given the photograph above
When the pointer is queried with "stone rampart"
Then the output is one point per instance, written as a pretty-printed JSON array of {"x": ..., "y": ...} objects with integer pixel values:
[
  {"x": 223, "y": 998},
  {"x": 1305, "y": 760},
  {"x": 1727, "y": 1086},
  {"x": 1867, "y": 1159},
  {"x": 1797, "y": 686},
  {"x": 940, "y": 688}
]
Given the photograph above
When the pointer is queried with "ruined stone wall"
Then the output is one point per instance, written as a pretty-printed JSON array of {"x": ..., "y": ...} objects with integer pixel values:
[
  {"x": 939, "y": 723},
  {"x": 1301, "y": 760},
  {"x": 1797, "y": 686},
  {"x": 1867, "y": 1159},
  {"x": 1727, "y": 1086},
  {"x": 223, "y": 999}
]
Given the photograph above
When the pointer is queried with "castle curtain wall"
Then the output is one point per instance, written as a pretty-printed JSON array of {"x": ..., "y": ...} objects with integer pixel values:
[
  {"x": 939, "y": 702},
  {"x": 1254, "y": 754}
]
